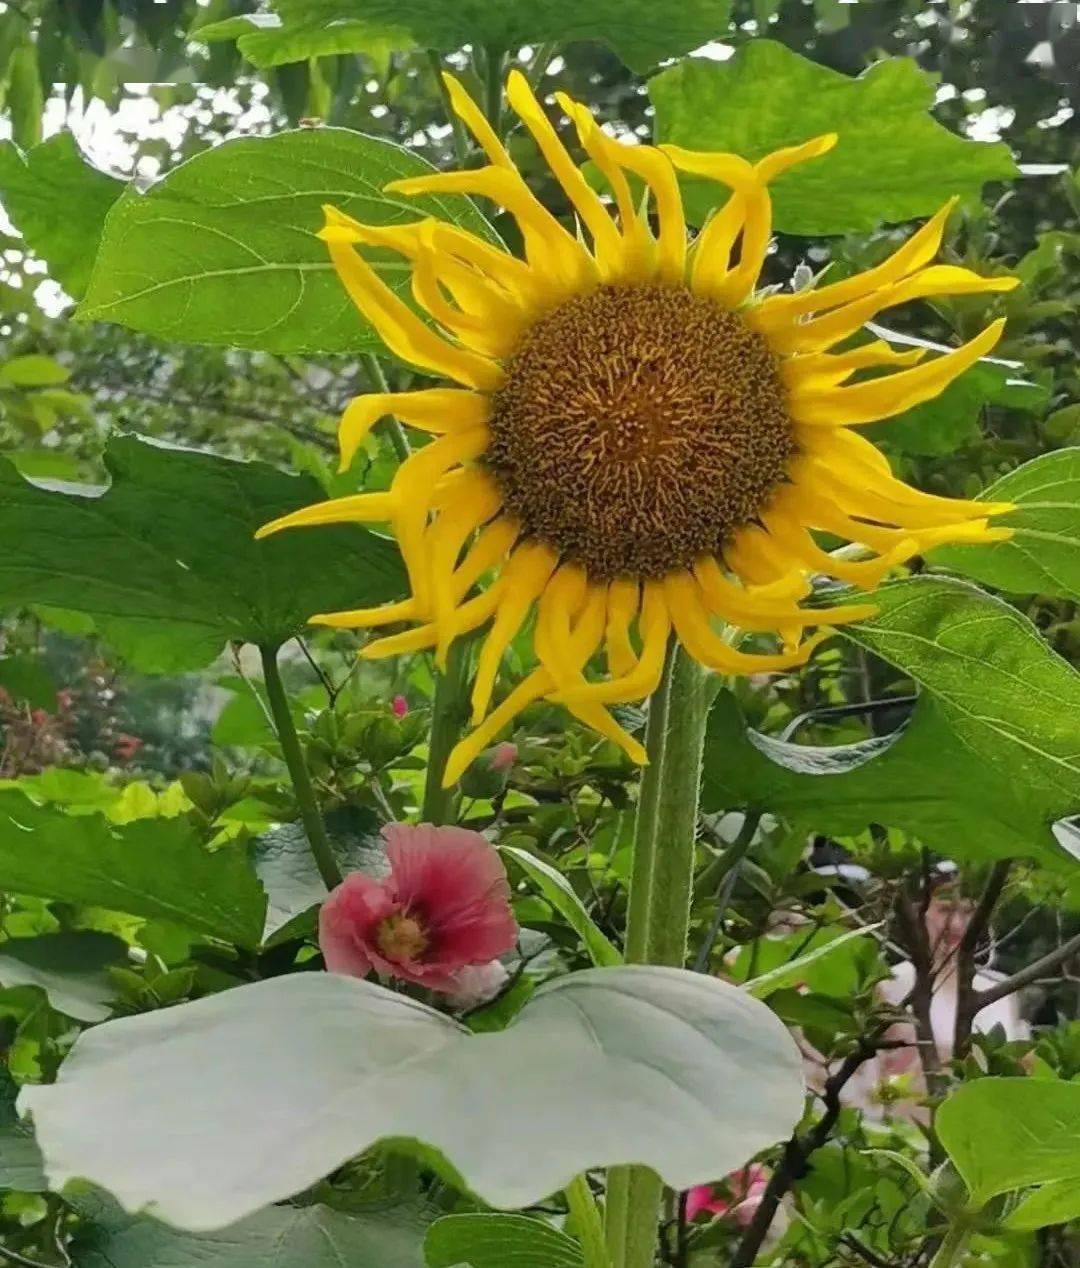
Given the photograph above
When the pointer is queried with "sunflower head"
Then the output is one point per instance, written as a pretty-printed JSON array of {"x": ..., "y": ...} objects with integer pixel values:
[{"x": 637, "y": 443}]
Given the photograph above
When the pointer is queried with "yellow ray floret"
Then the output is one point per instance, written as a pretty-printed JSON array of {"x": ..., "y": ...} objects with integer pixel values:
[{"x": 485, "y": 558}]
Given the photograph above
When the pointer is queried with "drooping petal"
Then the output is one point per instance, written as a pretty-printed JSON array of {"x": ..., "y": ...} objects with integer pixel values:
[
  {"x": 357, "y": 508},
  {"x": 433, "y": 409}
]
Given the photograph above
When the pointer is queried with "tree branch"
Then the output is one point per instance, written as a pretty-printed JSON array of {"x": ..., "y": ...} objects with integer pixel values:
[
  {"x": 797, "y": 1151},
  {"x": 1025, "y": 977},
  {"x": 973, "y": 937}
]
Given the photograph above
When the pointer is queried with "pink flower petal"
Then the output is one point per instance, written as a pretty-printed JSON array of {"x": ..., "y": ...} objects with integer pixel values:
[
  {"x": 455, "y": 881},
  {"x": 347, "y": 923}
]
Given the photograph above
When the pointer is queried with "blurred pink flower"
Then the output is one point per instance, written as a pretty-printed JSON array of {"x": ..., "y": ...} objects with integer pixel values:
[
  {"x": 476, "y": 984},
  {"x": 444, "y": 906},
  {"x": 400, "y": 706},
  {"x": 747, "y": 1186},
  {"x": 503, "y": 756}
]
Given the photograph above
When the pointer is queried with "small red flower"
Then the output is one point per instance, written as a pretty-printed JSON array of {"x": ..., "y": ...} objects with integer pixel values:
[
  {"x": 503, "y": 756},
  {"x": 444, "y": 906},
  {"x": 400, "y": 706},
  {"x": 747, "y": 1187}
]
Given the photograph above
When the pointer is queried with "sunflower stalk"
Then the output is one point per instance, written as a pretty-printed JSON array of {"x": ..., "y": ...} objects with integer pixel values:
[
  {"x": 661, "y": 885},
  {"x": 293, "y": 753}
]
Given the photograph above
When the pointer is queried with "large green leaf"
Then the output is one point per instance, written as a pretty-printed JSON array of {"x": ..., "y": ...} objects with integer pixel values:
[
  {"x": 165, "y": 562},
  {"x": 893, "y": 162},
  {"x": 152, "y": 867},
  {"x": 1043, "y": 554},
  {"x": 58, "y": 202},
  {"x": 921, "y": 780},
  {"x": 675, "y": 1070},
  {"x": 223, "y": 248},
  {"x": 496, "y": 1241},
  {"x": 642, "y": 32},
  {"x": 1004, "y": 695},
  {"x": 1005, "y": 1134},
  {"x": 278, "y": 1237},
  {"x": 985, "y": 766},
  {"x": 69, "y": 967}
]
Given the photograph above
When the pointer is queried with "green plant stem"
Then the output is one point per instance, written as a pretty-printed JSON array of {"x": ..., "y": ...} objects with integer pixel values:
[
  {"x": 540, "y": 62},
  {"x": 461, "y": 140},
  {"x": 950, "y": 1252},
  {"x": 314, "y": 828},
  {"x": 658, "y": 920},
  {"x": 494, "y": 64},
  {"x": 449, "y": 711},
  {"x": 587, "y": 1223},
  {"x": 390, "y": 427}
]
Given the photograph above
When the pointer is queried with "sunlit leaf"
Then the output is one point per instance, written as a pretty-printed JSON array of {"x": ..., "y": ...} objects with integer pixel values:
[
  {"x": 1005, "y": 1134},
  {"x": 222, "y": 250},
  {"x": 672, "y": 1069},
  {"x": 152, "y": 867},
  {"x": 642, "y": 32},
  {"x": 893, "y": 161},
  {"x": 165, "y": 562}
]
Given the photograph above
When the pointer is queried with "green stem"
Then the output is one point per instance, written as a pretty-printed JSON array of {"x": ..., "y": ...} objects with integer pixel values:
[
  {"x": 658, "y": 920},
  {"x": 390, "y": 427},
  {"x": 539, "y": 64},
  {"x": 293, "y": 754},
  {"x": 448, "y": 715},
  {"x": 494, "y": 64},
  {"x": 461, "y": 140},
  {"x": 951, "y": 1251},
  {"x": 587, "y": 1223}
]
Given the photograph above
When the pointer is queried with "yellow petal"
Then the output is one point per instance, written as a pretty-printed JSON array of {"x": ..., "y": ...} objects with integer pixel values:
[
  {"x": 624, "y": 597},
  {"x": 919, "y": 250},
  {"x": 526, "y": 574},
  {"x": 829, "y": 369},
  {"x": 435, "y": 409},
  {"x": 358, "y": 508},
  {"x": 893, "y": 393},
  {"x": 364, "y": 618},
  {"x": 404, "y": 332},
  {"x": 740, "y": 607},
  {"x": 781, "y": 161},
  {"x": 643, "y": 677},
  {"x": 475, "y": 120},
  {"x": 470, "y": 748},
  {"x": 587, "y": 204}
]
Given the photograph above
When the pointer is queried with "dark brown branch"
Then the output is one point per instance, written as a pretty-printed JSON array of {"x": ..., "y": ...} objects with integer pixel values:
[
  {"x": 864, "y": 1252},
  {"x": 797, "y": 1151},
  {"x": 913, "y": 935},
  {"x": 1025, "y": 977},
  {"x": 974, "y": 935}
]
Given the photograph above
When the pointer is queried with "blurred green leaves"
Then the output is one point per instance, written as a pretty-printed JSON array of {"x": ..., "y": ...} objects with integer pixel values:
[
  {"x": 164, "y": 561},
  {"x": 157, "y": 868},
  {"x": 486, "y": 1240},
  {"x": 223, "y": 250},
  {"x": 893, "y": 161}
]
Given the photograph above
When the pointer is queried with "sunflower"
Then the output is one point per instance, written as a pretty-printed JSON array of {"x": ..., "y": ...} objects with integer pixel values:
[{"x": 639, "y": 445}]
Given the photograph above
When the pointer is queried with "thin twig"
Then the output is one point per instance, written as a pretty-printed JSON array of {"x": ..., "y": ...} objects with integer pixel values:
[
  {"x": 13, "y": 1257},
  {"x": 970, "y": 942},
  {"x": 733, "y": 858},
  {"x": 797, "y": 1151},
  {"x": 864, "y": 1252},
  {"x": 1025, "y": 977}
]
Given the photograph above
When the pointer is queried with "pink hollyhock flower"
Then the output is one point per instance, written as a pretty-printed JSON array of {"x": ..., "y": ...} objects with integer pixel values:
[
  {"x": 476, "y": 984},
  {"x": 444, "y": 906},
  {"x": 747, "y": 1187},
  {"x": 400, "y": 706},
  {"x": 503, "y": 756}
]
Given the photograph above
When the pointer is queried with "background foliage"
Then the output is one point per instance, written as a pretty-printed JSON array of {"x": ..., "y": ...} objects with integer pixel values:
[{"x": 137, "y": 615}]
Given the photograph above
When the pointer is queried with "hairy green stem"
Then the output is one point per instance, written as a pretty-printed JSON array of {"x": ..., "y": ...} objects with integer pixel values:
[
  {"x": 658, "y": 921},
  {"x": 587, "y": 1223},
  {"x": 461, "y": 140},
  {"x": 449, "y": 712},
  {"x": 314, "y": 828},
  {"x": 390, "y": 427}
]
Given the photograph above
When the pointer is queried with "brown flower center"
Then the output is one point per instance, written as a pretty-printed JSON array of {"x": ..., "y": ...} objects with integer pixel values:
[
  {"x": 401, "y": 937},
  {"x": 638, "y": 427}
]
